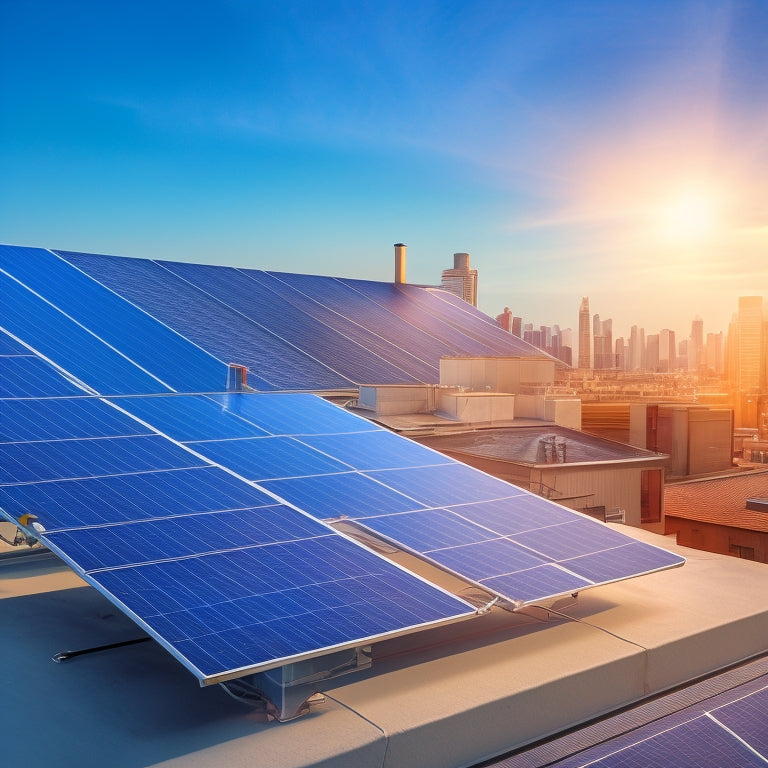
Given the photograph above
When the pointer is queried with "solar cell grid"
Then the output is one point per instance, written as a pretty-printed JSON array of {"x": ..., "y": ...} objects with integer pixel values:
[
  {"x": 272, "y": 363},
  {"x": 61, "y": 459},
  {"x": 268, "y": 609},
  {"x": 117, "y": 322},
  {"x": 446, "y": 484},
  {"x": 9, "y": 345},
  {"x": 30, "y": 376},
  {"x": 374, "y": 449},
  {"x": 77, "y": 417},
  {"x": 332, "y": 302},
  {"x": 293, "y": 414},
  {"x": 79, "y": 503},
  {"x": 188, "y": 417},
  {"x": 68, "y": 344},
  {"x": 267, "y": 458}
]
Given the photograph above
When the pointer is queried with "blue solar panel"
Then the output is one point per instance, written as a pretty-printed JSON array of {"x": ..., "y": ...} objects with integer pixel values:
[
  {"x": 748, "y": 717},
  {"x": 699, "y": 744},
  {"x": 228, "y": 580},
  {"x": 189, "y": 417},
  {"x": 224, "y": 614},
  {"x": 110, "y": 546},
  {"x": 78, "y": 503},
  {"x": 267, "y": 458},
  {"x": 78, "y": 417},
  {"x": 138, "y": 336},
  {"x": 232, "y": 576},
  {"x": 329, "y": 497},
  {"x": 304, "y": 332},
  {"x": 195, "y": 314},
  {"x": 373, "y": 450},
  {"x": 58, "y": 459},
  {"x": 728, "y": 729},
  {"x": 76, "y": 349},
  {"x": 9, "y": 345},
  {"x": 334, "y": 304},
  {"x": 293, "y": 414},
  {"x": 445, "y": 484},
  {"x": 30, "y": 376}
]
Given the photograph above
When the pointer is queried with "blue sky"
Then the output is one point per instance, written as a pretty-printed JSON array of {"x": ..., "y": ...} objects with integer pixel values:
[{"x": 616, "y": 150}]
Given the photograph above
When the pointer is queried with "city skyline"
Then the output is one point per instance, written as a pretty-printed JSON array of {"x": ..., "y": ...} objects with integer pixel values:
[{"x": 609, "y": 150}]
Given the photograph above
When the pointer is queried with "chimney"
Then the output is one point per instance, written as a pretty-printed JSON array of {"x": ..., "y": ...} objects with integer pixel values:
[
  {"x": 400, "y": 262},
  {"x": 461, "y": 261}
]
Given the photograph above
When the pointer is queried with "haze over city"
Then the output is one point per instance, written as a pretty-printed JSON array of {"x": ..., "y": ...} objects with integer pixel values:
[{"x": 601, "y": 149}]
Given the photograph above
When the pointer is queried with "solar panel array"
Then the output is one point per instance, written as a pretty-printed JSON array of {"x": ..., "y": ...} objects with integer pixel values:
[
  {"x": 205, "y": 517},
  {"x": 229, "y": 579},
  {"x": 728, "y": 729},
  {"x": 300, "y": 332}
]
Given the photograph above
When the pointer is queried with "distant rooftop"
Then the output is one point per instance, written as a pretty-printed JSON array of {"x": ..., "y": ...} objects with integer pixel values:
[
  {"x": 720, "y": 500},
  {"x": 527, "y": 445}
]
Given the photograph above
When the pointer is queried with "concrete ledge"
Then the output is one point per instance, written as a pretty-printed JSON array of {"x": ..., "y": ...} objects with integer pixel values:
[{"x": 450, "y": 697}]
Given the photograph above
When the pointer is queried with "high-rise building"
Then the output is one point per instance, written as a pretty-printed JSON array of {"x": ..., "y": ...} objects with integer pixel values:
[
  {"x": 652, "y": 352},
  {"x": 585, "y": 350},
  {"x": 714, "y": 357},
  {"x": 621, "y": 354},
  {"x": 667, "y": 350},
  {"x": 603, "y": 343},
  {"x": 461, "y": 280},
  {"x": 747, "y": 360},
  {"x": 517, "y": 327},
  {"x": 505, "y": 320},
  {"x": 696, "y": 345}
]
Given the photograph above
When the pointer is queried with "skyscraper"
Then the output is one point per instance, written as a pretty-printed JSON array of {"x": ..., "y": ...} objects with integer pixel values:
[
  {"x": 667, "y": 350},
  {"x": 696, "y": 345},
  {"x": 585, "y": 351},
  {"x": 747, "y": 359},
  {"x": 461, "y": 280}
]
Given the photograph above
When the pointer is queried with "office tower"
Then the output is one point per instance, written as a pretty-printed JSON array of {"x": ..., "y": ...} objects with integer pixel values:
[
  {"x": 682, "y": 354},
  {"x": 566, "y": 345},
  {"x": 505, "y": 320},
  {"x": 603, "y": 341},
  {"x": 585, "y": 350},
  {"x": 714, "y": 356},
  {"x": 621, "y": 354},
  {"x": 517, "y": 327},
  {"x": 696, "y": 345},
  {"x": 747, "y": 360},
  {"x": 546, "y": 337},
  {"x": 528, "y": 332},
  {"x": 652, "y": 353},
  {"x": 667, "y": 350},
  {"x": 461, "y": 280}
]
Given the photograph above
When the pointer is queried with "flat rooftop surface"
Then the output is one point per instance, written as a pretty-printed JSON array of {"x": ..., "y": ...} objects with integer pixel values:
[
  {"x": 449, "y": 697},
  {"x": 523, "y": 444}
]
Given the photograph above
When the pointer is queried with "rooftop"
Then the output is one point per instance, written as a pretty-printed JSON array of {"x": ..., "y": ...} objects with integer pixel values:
[
  {"x": 523, "y": 444},
  {"x": 720, "y": 500},
  {"x": 453, "y": 697}
]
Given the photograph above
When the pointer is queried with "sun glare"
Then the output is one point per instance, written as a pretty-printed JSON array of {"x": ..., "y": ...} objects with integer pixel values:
[{"x": 691, "y": 216}]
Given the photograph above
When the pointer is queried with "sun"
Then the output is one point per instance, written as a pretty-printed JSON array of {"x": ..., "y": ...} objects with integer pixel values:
[{"x": 692, "y": 215}]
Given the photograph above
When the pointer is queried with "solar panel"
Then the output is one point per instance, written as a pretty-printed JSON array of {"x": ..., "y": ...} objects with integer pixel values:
[
  {"x": 334, "y": 465},
  {"x": 118, "y": 323},
  {"x": 201, "y": 318},
  {"x": 299, "y": 332},
  {"x": 29, "y": 376},
  {"x": 729, "y": 729},
  {"x": 335, "y": 304},
  {"x": 225, "y": 577},
  {"x": 75, "y": 348},
  {"x": 249, "y": 295},
  {"x": 205, "y": 517}
]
